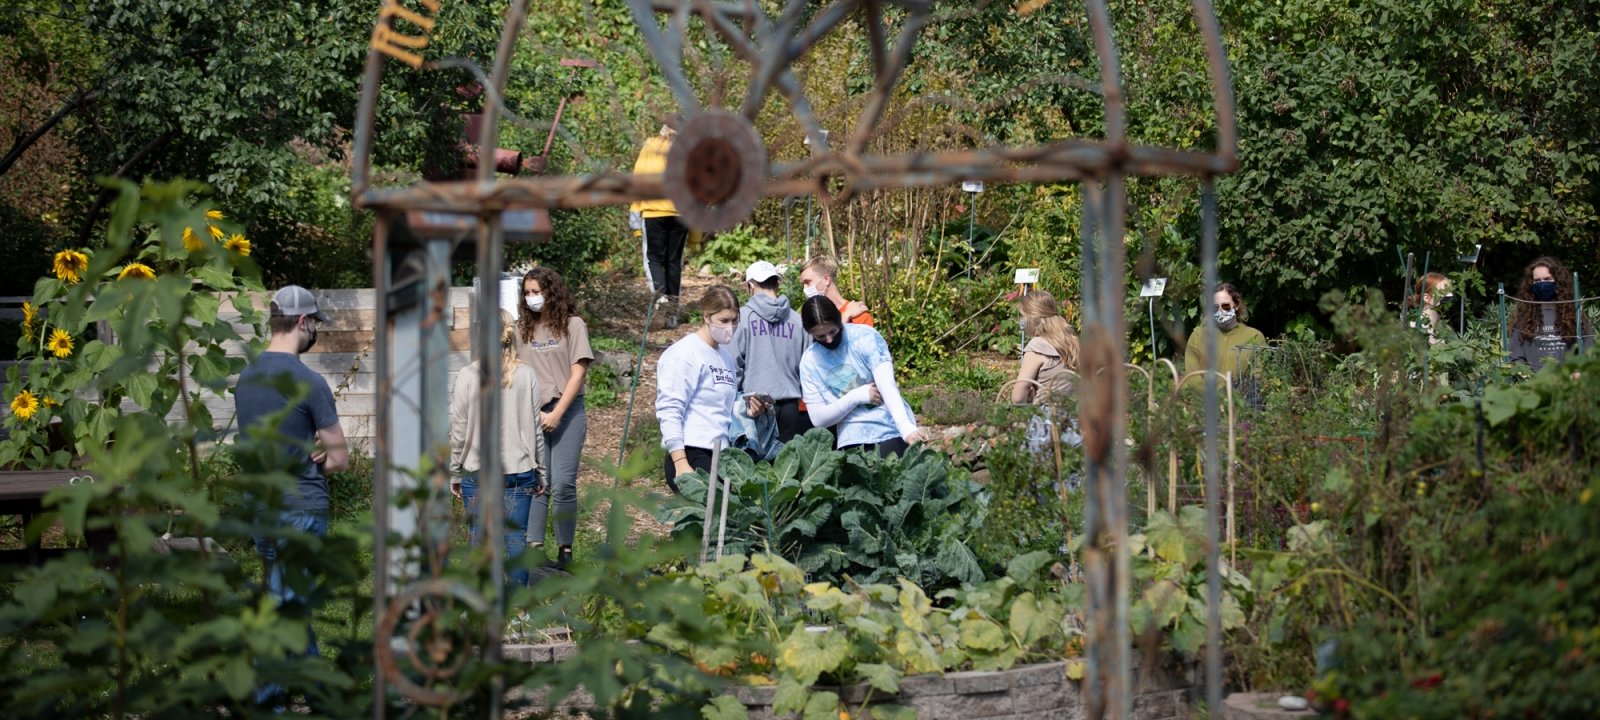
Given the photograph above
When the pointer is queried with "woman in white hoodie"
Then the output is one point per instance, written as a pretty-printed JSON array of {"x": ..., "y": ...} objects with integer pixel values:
[
  {"x": 696, "y": 384},
  {"x": 521, "y": 443}
]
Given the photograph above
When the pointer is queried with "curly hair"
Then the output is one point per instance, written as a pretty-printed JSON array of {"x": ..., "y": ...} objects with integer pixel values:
[
  {"x": 559, "y": 305},
  {"x": 1530, "y": 317}
]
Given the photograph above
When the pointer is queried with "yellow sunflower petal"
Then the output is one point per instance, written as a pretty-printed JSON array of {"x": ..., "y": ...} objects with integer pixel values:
[
  {"x": 60, "y": 343},
  {"x": 24, "y": 405},
  {"x": 238, "y": 243},
  {"x": 70, "y": 265},
  {"x": 216, "y": 232},
  {"x": 214, "y": 215},
  {"x": 137, "y": 271}
]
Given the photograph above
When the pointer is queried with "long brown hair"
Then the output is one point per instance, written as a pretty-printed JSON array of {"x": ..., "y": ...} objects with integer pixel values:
[
  {"x": 716, "y": 299},
  {"x": 558, "y": 304},
  {"x": 1041, "y": 317},
  {"x": 1530, "y": 317}
]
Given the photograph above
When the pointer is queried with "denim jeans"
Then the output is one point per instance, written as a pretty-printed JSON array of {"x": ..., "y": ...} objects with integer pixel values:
[
  {"x": 281, "y": 578},
  {"x": 518, "y": 497}
]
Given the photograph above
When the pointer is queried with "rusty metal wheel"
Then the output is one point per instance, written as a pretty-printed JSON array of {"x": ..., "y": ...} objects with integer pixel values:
[
  {"x": 430, "y": 651},
  {"x": 716, "y": 170}
]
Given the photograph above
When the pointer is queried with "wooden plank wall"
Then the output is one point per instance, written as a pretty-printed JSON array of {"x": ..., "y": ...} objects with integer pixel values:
[{"x": 343, "y": 355}]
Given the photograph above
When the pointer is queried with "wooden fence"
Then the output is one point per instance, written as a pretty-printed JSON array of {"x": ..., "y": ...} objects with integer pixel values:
[{"x": 344, "y": 355}]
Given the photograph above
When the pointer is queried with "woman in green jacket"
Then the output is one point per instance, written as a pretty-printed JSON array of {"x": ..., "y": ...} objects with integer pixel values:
[{"x": 1236, "y": 341}]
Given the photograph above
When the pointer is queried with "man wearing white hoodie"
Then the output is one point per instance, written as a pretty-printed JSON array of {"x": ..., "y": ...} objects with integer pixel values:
[{"x": 767, "y": 347}]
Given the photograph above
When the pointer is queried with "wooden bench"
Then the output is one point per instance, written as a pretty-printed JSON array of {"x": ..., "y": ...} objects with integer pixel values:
[{"x": 22, "y": 494}]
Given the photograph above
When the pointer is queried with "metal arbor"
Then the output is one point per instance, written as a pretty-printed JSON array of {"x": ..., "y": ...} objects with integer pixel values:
[{"x": 717, "y": 171}]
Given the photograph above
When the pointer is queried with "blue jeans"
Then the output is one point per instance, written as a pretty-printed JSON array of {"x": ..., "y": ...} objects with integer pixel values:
[
  {"x": 518, "y": 498},
  {"x": 279, "y": 583}
]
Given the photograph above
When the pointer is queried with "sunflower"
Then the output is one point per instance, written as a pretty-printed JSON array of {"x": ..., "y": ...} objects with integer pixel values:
[
  {"x": 70, "y": 265},
  {"x": 29, "y": 315},
  {"x": 51, "y": 402},
  {"x": 216, "y": 232},
  {"x": 237, "y": 243},
  {"x": 214, "y": 215},
  {"x": 24, "y": 405},
  {"x": 191, "y": 242},
  {"x": 137, "y": 271},
  {"x": 60, "y": 343}
]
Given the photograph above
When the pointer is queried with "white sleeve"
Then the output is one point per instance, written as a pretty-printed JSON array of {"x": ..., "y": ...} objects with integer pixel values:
[
  {"x": 904, "y": 421},
  {"x": 673, "y": 384},
  {"x": 831, "y": 413}
]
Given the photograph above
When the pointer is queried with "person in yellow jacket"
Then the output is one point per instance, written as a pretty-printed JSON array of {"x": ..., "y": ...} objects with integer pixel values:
[{"x": 664, "y": 234}]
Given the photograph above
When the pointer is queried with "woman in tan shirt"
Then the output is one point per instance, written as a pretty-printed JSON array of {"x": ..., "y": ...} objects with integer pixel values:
[
  {"x": 554, "y": 341},
  {"x": 1050, "y": 359}
]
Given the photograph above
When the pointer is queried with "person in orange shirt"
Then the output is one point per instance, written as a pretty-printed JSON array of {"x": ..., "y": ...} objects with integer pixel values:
[{"x": 820, "y": 276}]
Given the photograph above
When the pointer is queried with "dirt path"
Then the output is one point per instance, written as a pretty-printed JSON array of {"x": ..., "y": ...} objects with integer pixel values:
[{"x": 618, "y": 309}]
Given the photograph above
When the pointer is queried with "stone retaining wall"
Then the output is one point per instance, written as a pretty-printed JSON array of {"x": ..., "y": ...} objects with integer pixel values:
[{"x": 1030, "y": 692}]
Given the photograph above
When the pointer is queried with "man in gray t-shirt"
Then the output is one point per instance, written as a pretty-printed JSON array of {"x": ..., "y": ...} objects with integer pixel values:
[{"x": 313, "y": 437}]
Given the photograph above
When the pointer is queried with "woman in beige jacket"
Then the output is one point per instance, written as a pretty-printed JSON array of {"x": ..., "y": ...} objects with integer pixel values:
[{"x": 521, "y": 444}]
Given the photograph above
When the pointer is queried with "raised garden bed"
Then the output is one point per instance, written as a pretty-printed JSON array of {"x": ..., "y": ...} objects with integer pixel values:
[{"x": 1029, "y": 692}]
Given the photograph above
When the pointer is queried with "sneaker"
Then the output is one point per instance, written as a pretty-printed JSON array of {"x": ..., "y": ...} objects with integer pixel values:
[
  {"x": 563, "y": 558},
  {"x": 672, "y": 311}
]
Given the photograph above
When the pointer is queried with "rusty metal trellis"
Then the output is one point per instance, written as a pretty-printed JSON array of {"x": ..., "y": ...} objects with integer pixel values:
[{"x": 719, "y": 169}]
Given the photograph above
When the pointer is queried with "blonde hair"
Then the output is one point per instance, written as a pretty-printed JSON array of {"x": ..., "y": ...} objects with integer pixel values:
[
  {"x": 1041, "y": 317},
  {"x": 824, "y": 265},
  {"x": 508, "y": 345}
]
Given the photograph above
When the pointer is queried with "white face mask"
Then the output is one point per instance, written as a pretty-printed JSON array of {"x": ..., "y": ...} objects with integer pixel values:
[
  {"x": 811, "y": 291},
  {"x": 723, "y": 335},
  {"x": 1226, "y": 319},
  {"x": 534, "y": 302}
]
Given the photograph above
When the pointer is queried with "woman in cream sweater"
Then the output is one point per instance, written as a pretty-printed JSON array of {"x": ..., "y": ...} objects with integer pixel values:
[{"x": 521, "y": 443}]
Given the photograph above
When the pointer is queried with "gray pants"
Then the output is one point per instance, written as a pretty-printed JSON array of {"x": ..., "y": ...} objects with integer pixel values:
[{"x": 563, "y": 447}]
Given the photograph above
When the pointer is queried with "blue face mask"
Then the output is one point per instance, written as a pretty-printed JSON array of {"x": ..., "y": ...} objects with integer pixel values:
[{"x": 1544, "y": 290}]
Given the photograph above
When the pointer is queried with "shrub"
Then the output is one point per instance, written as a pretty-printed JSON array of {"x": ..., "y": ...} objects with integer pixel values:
[{"x": 732, "y": 251}]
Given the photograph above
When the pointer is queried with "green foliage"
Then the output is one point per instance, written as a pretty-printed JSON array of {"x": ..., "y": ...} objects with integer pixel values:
[
  {"x": 1422, "y": 126},
  {"x": 165, "y": 326},
  {"x": 1516, "y": 628},
  {"x": 873, "y": 633},
  {"x": 1168, "y": 562},
  {"x": 1375, "y": 559},
  {"x": 1033, "y": 503},
  {"x": 918, "y": 316},
  {"x": 127, "y": 629},
  {"x": 602, "y": 388},
  {"x": 731, "y": 251},
  {"x": 845, "y": 514}
]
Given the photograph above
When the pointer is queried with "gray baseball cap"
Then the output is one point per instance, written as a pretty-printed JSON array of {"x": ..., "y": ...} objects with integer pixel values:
[{"x": 294, "y": 301}]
